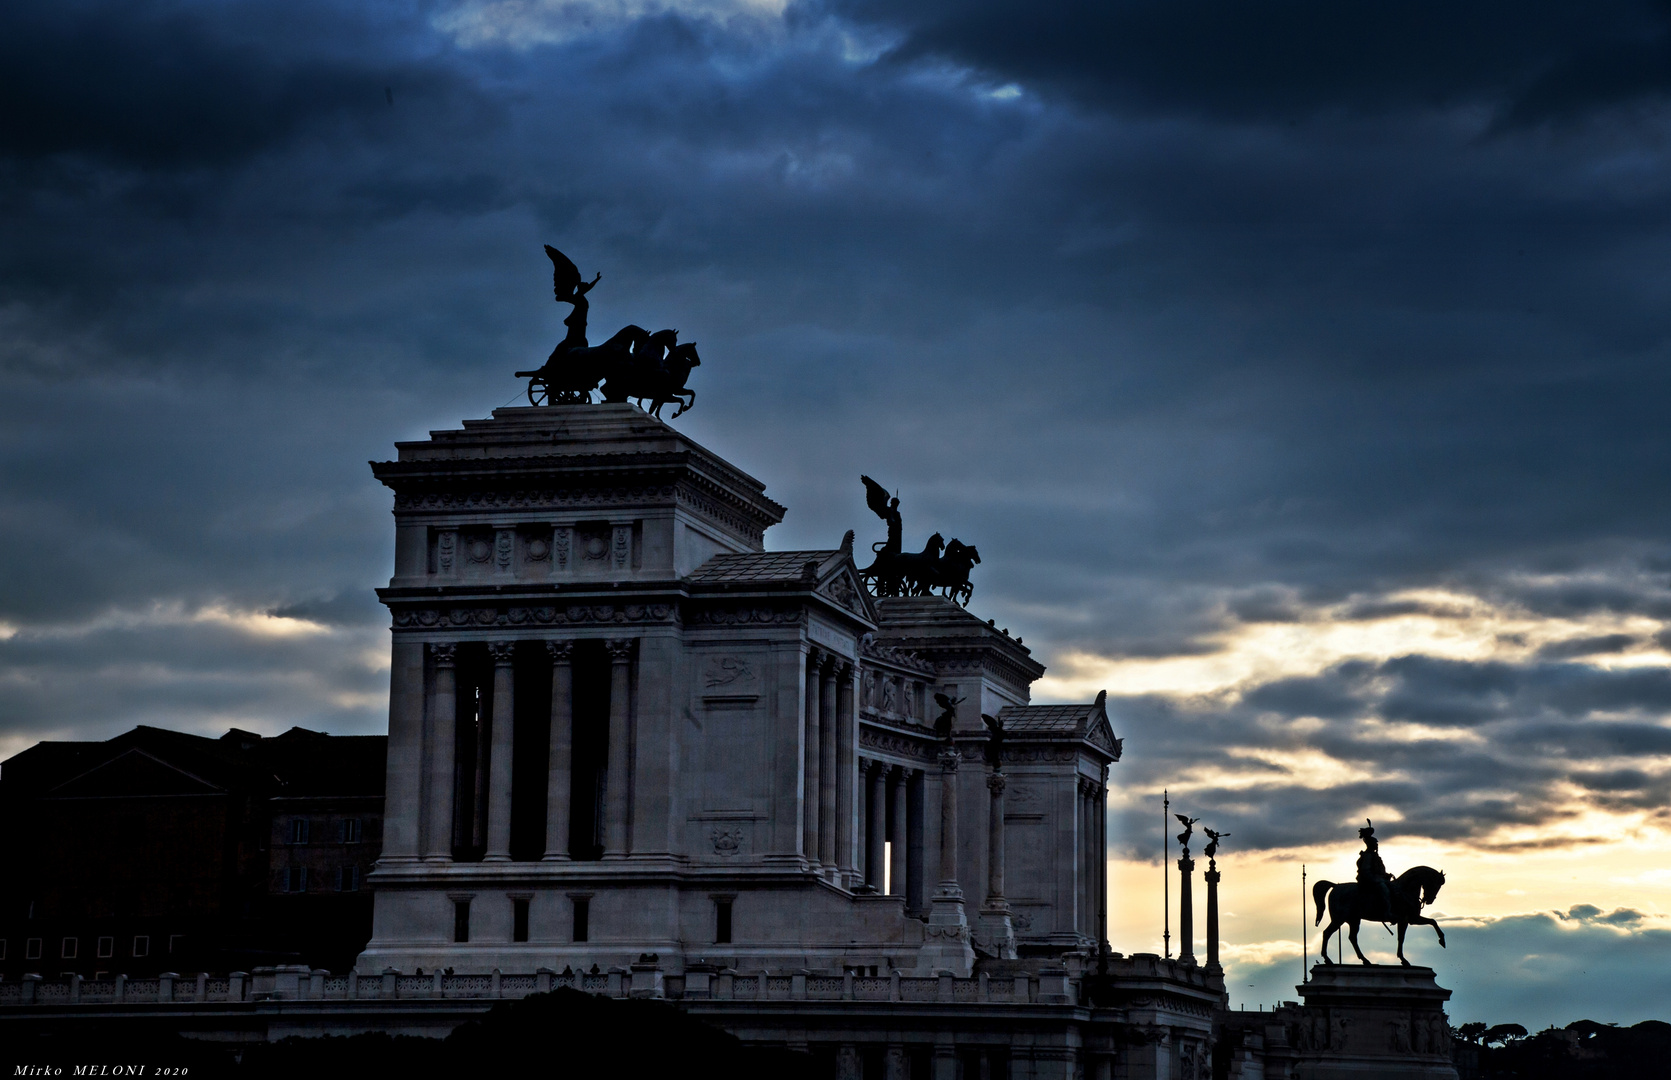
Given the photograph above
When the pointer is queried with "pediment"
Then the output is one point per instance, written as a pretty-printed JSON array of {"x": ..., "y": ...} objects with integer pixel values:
[
  {"x": 1099, "y": 732},
  {"x": 842, "y": 587},
  {"x": 133, "y": 773}
]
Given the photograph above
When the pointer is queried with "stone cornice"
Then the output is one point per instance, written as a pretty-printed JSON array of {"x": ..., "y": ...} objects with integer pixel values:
[{"x": 581, "y": 482}]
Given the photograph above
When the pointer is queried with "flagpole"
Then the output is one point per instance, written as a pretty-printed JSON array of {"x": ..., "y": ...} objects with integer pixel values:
[
  {"x": 1305, "y": 938},
  {"x": 1165, "y": 881}
]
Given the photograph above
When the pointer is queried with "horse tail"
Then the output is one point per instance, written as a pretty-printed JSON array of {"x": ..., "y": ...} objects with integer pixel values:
[{"x": 1319, "y": 892}]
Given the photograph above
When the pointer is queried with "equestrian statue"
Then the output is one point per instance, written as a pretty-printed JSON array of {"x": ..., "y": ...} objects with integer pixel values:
[
  {"x": 633, "y": 365},
  {"x": 1377, "y": 896},
  {"x": 938, "y": 568}
]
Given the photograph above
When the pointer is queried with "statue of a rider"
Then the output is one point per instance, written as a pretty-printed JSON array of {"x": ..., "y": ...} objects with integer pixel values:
[{"x": 1373, "y": 878}]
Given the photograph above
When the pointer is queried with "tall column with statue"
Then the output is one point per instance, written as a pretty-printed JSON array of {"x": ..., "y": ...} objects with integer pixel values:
[
  {"x": 996, "y": 932},
  {"x": 1213, "y": 966},
  {"x": 1186, "y": 903},
  {"x": 946, "y": 939}
]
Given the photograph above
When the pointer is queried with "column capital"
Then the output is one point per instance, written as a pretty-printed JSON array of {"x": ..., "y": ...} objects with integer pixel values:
[
  {"x": 561, "y": 651},
  {"x": 995, "y": 782},
  {"x": 443, "y": 653},
  {"x": 827, "y": 664},
  {"x": 503, "y": 652},
  {"x": 620, "y": 649},
  {"x": 948, "y": 760}
]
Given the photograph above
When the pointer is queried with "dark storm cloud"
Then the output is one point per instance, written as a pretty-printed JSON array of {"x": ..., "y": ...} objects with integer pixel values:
[
  {"x": 170, "y": 86},
  {"x": 1530, "y": 61}
]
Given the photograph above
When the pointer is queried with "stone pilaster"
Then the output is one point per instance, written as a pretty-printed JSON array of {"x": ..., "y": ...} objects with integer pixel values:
[
  {"x": 403, "y": 805},
  {"x": 946, "y": 938}
]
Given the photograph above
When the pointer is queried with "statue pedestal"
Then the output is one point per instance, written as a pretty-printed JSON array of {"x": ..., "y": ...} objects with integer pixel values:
[
  {"x": 1370, "y": 1021},
  {"x": 994, "y": 933},
  {"x": 946, "y": 939}
]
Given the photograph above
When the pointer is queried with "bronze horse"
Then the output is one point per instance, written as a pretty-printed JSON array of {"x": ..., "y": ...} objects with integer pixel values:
[
  {"x": 634, "y": 364},
  {"x": 951, "y": 573},
  {"x": 665, "y": 382},
  {"x": 1413, "y": 890}
]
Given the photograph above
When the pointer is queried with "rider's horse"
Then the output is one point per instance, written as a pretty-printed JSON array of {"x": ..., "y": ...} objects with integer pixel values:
[{"x": 1415, "y": 888}]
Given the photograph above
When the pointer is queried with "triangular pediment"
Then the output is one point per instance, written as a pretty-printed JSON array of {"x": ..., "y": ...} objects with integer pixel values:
[
  {"x": 841, "y": 585},
  {"x": 133, "y": 773},
  {"x": 1099, "y": 732}
]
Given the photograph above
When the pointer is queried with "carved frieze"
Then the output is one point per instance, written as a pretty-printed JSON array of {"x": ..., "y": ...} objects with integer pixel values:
[
  {"x": 727, "y": 616},
  {"x": 897, "y": 745},
  {"x": 574, "y": 614}
]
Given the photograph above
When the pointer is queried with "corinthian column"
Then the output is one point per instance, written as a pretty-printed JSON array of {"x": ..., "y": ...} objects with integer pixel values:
[
  {"x": 827, "y": 767},
  {"x": 620, "y": 744},
  {"x": 811, "y": 790},
  {"x": 899, "y": 789},
  {"x": 995, "y": 840},
  {"x": 443, "y": 723},
  {"x": 560, "y": 763},
  {"x": 876, "y": 847},
  {"x": 504, "y": 742},
  {"x": 847, "y": 775}
]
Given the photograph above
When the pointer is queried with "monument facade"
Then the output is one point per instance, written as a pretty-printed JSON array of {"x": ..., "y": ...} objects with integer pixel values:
[{"x": 619, "y": 726}]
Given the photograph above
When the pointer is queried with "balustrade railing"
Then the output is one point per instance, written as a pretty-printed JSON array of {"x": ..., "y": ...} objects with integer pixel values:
[{"x": 1044, "y": 986}]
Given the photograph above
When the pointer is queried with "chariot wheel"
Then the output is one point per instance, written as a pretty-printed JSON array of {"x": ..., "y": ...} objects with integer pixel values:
[{"x": 538, "y": 392}]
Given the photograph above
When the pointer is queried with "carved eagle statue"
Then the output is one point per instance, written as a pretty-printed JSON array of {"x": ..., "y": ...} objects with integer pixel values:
[{"x": 948, "y": 715}]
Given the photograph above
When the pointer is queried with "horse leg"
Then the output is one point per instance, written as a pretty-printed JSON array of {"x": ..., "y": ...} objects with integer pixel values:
[
  {"x": 1334, "y": 924},
  {"x": 1422, "y": 920},
  {"x": 1401, "y": 928},
  {"x": 1353, "y": 934}
]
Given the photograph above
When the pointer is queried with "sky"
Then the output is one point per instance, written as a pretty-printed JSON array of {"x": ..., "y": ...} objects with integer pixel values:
[{"x": 1299, "y": 369}]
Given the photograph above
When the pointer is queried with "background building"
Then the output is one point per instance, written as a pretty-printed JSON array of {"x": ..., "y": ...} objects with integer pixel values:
[{"x": 158, "y": 850}]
